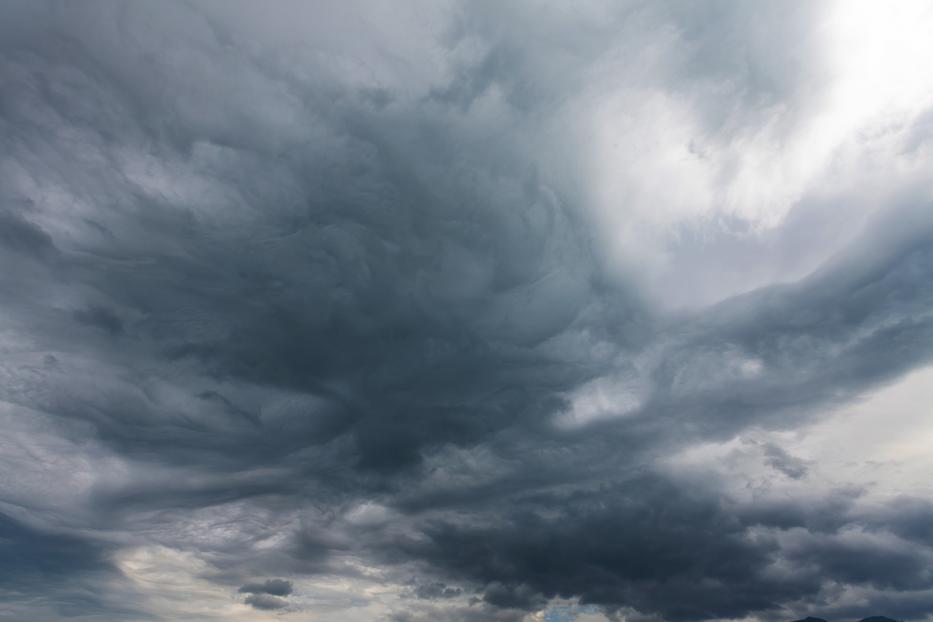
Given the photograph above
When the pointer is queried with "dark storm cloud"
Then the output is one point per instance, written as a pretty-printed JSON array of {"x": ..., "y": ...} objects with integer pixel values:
[
  {"x": 862, "y": 561},
  {"x": 436, "y": 590},
  {"x": 644, "y": 544},
  {"x": 275, "y": 587},
  {"x": 910, "y": 518},
  {"x": 396, "y": 314},
  {"x": 266, "y": 601},
  {"x": 262, "y": 284},
  {"x": 30, "y": 555},
  {"x": 58, "y": 574},
  {"x": 101, "y": 318},
  {"x": 21, "y": 236},
  {"x": 268, "y": 595}
]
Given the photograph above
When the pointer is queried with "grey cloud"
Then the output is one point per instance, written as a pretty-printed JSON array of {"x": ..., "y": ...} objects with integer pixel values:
[
  {"x": 277, "y": 273},
  {"x": 275, "y": 587},
  {"x": 644, "y": 544},
  {"x": 513, "y": 596},
  {"x": 60, "y": 575},
  {"x": 19, "y": 235},
  {"x": 455, "y": 315},
  {"x": 30, "y": 555},
  {"x": 784, "y": 462},
  {"x": 100, "y": 317},
  {"x": 658, "y": 547},
  {"x": 436, "y": 590},
  {"x": 266, "y": 602},
  {"x": 268, "y": 595},
  {"x": 895, "y": 565}
]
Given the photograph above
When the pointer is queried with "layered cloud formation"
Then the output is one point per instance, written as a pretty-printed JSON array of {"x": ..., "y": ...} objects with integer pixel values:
[{"x": 465, "y": 311}]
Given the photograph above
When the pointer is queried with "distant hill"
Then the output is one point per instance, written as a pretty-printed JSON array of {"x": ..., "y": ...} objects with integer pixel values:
[{"x": 869, "y": 619}]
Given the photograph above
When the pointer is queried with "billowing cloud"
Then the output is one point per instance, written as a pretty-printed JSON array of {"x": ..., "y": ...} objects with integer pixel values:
[{"x": 465, "y": 311}]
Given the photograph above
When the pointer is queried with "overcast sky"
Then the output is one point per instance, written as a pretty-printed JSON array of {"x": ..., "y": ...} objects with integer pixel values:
[{"x": 483, "y": 311}]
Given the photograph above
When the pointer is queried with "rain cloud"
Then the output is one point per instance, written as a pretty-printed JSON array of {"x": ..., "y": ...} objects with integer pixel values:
[{"x": 462, "y": 311}]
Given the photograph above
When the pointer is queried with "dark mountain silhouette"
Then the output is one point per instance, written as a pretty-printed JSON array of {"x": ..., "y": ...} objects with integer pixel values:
[
  {"x": 869, "y": 619},
  {"x": 811, "y": 619}
]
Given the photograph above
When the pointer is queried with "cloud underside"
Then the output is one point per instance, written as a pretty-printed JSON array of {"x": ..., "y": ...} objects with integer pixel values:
[{"x": 453, "y": 312}]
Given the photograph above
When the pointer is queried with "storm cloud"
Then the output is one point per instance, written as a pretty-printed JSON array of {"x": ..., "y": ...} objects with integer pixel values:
[{"x": 465, "y": 311}]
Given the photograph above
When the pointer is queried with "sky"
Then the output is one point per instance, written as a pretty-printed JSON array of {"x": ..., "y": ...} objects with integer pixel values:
[{"x": 442, "y": 311}]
